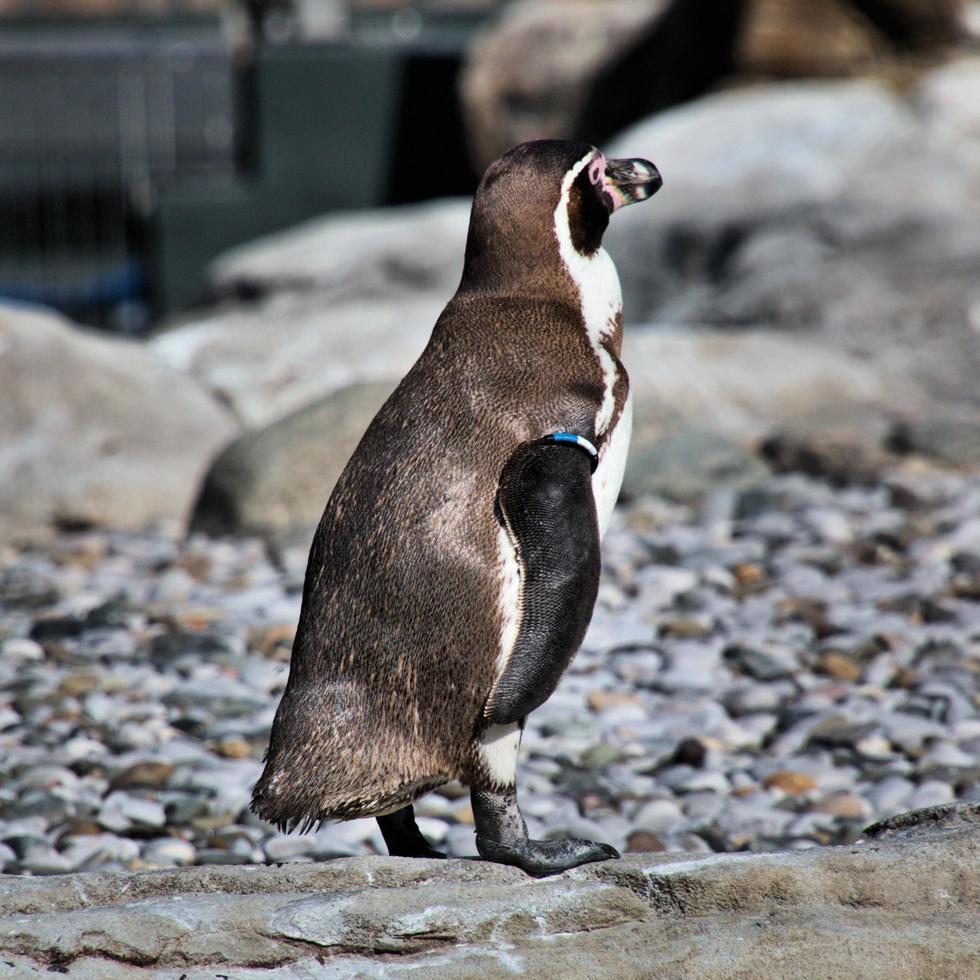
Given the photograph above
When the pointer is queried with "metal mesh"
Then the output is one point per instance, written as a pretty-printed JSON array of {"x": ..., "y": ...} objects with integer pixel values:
[{"x": 93, "y": 123}]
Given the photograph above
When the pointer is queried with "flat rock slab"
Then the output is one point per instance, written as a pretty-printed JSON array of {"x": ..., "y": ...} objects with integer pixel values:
[{"x": 899, "y": 905}]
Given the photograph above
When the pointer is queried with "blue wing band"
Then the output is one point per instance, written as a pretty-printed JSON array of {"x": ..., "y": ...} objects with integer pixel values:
[{"x": 575, "y": 440}]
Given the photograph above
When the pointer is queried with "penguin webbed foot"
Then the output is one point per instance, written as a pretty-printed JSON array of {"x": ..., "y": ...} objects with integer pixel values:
[
  {"x": 501, "y": 837},
  {"x": 403, "y": 837},
  {"x": 545, "y": 857}
]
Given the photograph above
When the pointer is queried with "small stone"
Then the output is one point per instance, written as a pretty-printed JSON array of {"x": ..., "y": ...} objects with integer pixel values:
[
  {"x": 764, "y": 663},
  {"x": 752, "y": 698},
  {"x": 274, "y": 642},
  {"x": 120, "y": 811},
  {"x": 81, "y": 827},
  {"x": 750, "y": 578},
  {"x": 642, "y": 842},
  {"x": 837, "y": 730},
  {"x": 845, "y": 805},
  {"x": 794, "y": 783},
  {"x": 932, "y": 792},
  {"x": 658, "y": 816},
  {"x": 42, "y": 859},
  {"x": 890, "y": 794},
  {"x": 149, "y": 775},
  {"x": 948, "y": 759},
  {"x": 463, "y": 814},
  {"x": 601, "y": 700},
  {"x": 233, "y": 748},
  {"x": 21, "y": 648},
  {"x": 212, "y": 855},
  {"x": 840, "y": 666},
  {"x": 78, "y": 685},
  {"x": 684, "y": 629},
  {"x": 713, "y": 782},
  {"x": 874, "y": 747},
  {"x": 600, "y": 755},
  {"x": 168, "y": 851},
  {"x": 283, "y": 847}
]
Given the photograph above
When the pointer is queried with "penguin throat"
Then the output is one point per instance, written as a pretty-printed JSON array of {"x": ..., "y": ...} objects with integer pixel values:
[{"x": 600, "y": 296}]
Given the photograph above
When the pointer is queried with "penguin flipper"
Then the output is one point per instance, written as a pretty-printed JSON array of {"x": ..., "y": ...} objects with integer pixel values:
[{"x": 546, "y": 504}]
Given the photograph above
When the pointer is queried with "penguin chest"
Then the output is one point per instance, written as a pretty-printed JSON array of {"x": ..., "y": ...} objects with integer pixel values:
[{"x": 608, "y": 477}]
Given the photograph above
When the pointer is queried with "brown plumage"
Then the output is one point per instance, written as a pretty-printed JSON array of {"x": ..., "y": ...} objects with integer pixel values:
[{"x": 396, "y": 649}]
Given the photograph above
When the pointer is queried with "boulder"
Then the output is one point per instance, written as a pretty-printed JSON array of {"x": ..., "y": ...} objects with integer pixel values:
[
  {"x": 950, "y": 434},
  {"x": 275, "y": 356},
  {"x": 360, "y": 253},
  {"x": 689, "y": 464},
  {"x": 742, "y": 384},
  {"x": 276, "y": 481},
  {"x": 96, "y": 430},
  {"x": 777, "y": 211},
  {"x": 800, "y": 38},
  {"x": 529, "y": 73},
  {"x": 901, "y": 905},
  {"x": 841, "y": 444}
]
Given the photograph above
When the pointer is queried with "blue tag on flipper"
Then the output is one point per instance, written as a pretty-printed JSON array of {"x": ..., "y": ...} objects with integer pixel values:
[{"x": 571, "y": 439}]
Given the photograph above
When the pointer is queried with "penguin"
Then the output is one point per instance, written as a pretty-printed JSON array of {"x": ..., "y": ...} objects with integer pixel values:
[{"x": 454, "y": 572}]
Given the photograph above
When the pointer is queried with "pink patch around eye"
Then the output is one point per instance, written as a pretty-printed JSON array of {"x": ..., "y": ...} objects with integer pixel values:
[{"x": 597, "y": 169}]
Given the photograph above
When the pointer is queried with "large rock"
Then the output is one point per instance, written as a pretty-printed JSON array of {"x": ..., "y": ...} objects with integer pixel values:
[
  {"x": 95, "y": 430},
  {"x": 361, "y": 253},
  {"x": 277, "y": 480},
  {"x": 268, "y": 359},
  {"x": 901, "y": 905},
  {"x": 688, "y": 464},
  {"x": 741, "y": 384},
  {"x": 799, "y": 38},
  {"x": 337, "y": 300},
  {"x": 778, "y": 211},
  {"x": 528, "y": 76}
]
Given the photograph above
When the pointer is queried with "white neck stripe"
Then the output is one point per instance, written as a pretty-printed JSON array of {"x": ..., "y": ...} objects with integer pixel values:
[{"x": 600, "y": 296}]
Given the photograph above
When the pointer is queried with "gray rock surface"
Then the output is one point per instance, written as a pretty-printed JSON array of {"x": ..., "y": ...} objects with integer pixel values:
[
  {"x": 277, "y": 480},
  {"x": 273, "y": 357},
  {"x": 777, "y": 211},
  {"x": 96, "y": 430},
  {"x": 837, "y": 442},
  {"x": 690, "y": 463},
  {"x": 903, "y": 906},
  {"x": 742, "y": 384},
  {"x": 419, "y": 246}
]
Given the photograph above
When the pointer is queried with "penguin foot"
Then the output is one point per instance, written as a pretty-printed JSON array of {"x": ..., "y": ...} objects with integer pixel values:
[
  {"x": 403, "y": 837},
  {"x": 545, "y": 857},
  {"x": 501, "y": 836}
]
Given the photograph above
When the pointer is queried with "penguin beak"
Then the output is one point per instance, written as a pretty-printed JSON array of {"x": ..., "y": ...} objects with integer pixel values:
[{"x": 629, "y": 181}]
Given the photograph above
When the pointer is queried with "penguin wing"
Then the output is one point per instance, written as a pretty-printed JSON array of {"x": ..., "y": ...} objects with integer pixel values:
[{"x": 545, "y": 502}]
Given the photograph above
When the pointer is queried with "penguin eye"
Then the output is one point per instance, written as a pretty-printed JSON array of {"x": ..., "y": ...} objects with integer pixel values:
[{"x": 597, "y": 169}]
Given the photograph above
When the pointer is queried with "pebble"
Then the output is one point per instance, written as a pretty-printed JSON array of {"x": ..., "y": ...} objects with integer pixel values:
[
  {"x": 793, "y": 783},
  {"x": 777, "y": 682},
  {"x": 658, "y": 817},
  {"x": 168, "y": 851}
]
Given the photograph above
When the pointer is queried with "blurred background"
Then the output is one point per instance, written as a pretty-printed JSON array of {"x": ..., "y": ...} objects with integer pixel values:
[
  {"x": 226, "y": 230},
  {"x": 821, "y": 161}
]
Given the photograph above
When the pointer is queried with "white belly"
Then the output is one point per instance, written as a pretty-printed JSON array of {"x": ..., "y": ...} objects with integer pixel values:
[{"x": 608, "y": 477}]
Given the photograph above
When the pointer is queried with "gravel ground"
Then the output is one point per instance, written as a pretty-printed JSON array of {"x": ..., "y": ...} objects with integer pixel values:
[{"x": 777, "y": 670}]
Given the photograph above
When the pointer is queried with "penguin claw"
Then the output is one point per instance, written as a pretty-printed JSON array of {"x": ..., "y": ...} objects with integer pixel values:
[{"x": 540, "y": 858}]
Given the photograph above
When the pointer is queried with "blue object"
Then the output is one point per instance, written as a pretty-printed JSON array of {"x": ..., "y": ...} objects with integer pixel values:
[{"x": 575, "y": 440}]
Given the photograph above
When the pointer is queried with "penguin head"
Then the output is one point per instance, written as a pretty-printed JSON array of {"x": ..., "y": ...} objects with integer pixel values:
[{"x": 538, "y": 192}]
